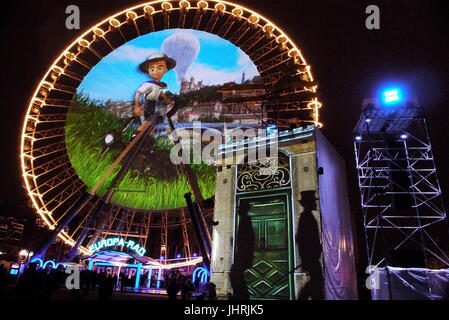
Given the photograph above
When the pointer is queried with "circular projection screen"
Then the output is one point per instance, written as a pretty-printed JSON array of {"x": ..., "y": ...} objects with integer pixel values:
[
  {"x": 103, "y": 106},
  {"x": 81, "y": 115}
]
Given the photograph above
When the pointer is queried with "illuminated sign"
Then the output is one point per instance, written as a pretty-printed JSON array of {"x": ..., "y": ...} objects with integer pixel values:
[
  {"x": 14, "y": 270},
  {"x": 201, "y": 274},
  {"x": 120, "y": 242}
]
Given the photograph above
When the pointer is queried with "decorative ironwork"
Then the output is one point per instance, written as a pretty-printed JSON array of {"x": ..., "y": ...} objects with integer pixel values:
[{"x": 271, "y": 173}]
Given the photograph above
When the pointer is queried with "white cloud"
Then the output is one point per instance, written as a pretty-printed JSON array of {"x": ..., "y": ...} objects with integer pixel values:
[
  {"x": 205, "y": 36},
  {"x": 130, "y": 53},
  {"x": 244, "y": 60}
]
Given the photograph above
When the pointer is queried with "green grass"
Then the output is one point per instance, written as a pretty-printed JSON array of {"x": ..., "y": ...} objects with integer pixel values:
[{"x": 87, "y": 124}]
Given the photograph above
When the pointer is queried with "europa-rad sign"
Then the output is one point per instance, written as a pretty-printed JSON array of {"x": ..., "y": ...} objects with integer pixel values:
[{"x": 119, "y": 242}]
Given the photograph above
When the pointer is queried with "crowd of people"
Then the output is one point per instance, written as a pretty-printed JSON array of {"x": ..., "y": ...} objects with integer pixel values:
[
  {"x": 176, "y": 282},
  {"x": 3, "y": 277},
  {"x": 41, "y": 284}
]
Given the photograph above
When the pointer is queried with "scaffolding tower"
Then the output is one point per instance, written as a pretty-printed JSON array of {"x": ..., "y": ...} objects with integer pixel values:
[
  {"x": 11, "y": 232},
  {"x": 401, "y": 200}
]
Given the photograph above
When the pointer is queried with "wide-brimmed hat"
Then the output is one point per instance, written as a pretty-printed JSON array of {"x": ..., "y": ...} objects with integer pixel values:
[{"x": 171, "y": 63}]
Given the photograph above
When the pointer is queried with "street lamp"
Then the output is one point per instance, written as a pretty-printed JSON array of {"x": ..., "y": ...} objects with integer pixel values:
[{"x": 25, "y": 255}]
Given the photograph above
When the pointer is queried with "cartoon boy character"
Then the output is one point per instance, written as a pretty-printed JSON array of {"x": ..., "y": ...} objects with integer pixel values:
[{"x": 156, "y": 66}]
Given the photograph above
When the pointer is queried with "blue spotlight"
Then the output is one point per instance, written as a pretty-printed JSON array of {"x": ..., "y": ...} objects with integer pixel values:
[{"x": 391, "y": 96}]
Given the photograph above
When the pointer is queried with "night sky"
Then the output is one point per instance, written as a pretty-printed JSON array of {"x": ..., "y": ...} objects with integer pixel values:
[{"x": 349, "y": 62}]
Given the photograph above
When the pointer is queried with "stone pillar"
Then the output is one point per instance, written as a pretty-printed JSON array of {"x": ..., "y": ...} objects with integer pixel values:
[{"x": 223, "y": 233}]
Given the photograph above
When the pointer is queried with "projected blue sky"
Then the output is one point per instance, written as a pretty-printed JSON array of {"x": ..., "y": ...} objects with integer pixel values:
[{"x": 199, "y": 54}]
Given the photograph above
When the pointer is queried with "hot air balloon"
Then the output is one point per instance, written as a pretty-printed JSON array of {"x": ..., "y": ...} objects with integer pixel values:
[{"x": 184, "y": 48}]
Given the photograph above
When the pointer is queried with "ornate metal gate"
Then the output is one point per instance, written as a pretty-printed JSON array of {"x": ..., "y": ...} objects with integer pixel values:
[{"x": 263, "y": 244}]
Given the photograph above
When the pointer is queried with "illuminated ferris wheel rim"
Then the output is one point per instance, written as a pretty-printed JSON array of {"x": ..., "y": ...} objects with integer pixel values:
[{"x": 149, "y": 9}]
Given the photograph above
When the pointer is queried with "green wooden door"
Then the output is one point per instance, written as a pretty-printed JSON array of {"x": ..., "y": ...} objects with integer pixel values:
[{"x": 269, "y": 278}]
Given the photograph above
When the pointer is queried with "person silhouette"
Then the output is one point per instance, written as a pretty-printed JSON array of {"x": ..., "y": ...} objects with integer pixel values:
[
  {"x": 172, "y": 289},
  {"x": 244, "y": 253},
  {"x": 309, "y": 248}
]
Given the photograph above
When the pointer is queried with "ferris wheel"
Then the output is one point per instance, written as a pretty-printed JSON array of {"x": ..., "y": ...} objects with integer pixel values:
[{"x": 80, "y": 186}]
